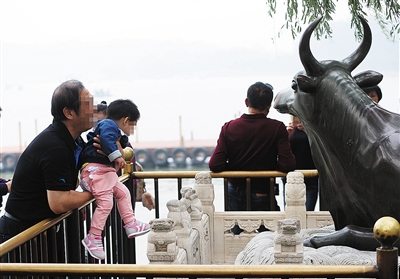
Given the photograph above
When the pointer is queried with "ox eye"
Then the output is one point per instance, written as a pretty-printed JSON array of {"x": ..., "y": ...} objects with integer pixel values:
[{"x": 294, "y": 85}]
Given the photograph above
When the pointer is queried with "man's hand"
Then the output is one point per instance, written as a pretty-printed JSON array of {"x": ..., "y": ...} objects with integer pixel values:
[
  {"x": 148, "y": 201},
  {"x": 97, "y": 144},
  {"x": 290, "y": 128}
]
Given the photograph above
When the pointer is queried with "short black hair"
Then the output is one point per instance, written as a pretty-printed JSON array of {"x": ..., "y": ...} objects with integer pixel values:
[
  {"x": 102, "y": 107},
  {"x": 260, "y": 95},
  {"x": 123, "y": 108},
  {"x": 66, "y": 95},
  {"x": 375, "y": 88}
]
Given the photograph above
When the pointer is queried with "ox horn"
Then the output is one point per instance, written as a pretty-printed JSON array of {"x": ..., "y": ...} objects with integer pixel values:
[
  {"x": 311, "y": 65},
  {"x": 354, "y": 59}
]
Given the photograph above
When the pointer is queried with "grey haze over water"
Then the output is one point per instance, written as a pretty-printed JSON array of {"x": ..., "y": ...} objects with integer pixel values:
[{"x": 188, "y": 59}]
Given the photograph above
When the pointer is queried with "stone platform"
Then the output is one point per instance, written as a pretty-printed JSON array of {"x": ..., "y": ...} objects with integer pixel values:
[{"x": 260, "y": 251}]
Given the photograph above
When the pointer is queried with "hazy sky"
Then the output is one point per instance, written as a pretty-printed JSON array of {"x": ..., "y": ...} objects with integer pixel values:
[{"x": 193, "y": 59}]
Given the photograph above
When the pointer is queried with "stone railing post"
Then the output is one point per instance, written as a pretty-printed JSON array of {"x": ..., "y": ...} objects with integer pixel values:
[
  {"x": 295, "y": 195},
  {"x": 205, "y": 192},
  {"x": 288, "y": 244},
  {"x": 188, "y": 239},
  {"x": 162, "y": 245},
  {"x": 200, "y": 222}
]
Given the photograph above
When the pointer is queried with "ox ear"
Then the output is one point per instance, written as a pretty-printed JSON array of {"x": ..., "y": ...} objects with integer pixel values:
[
  {"x": 368, "y": 78},
  {"x": 306, "y": 84}
]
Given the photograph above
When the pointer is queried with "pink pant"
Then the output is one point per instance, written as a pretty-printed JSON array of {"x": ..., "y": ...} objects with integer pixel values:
[{"x": 104, "y": 185}]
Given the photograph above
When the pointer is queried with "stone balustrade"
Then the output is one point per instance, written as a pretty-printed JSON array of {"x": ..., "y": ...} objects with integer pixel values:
[{"x": 193, "y": 233}]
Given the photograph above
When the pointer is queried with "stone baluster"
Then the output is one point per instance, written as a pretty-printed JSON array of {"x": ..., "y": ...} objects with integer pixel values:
[
  {"x": 192, "y": 203},
  {"x": 295, "y": 196},
  {"x": 188, "y": 239},
  {"x": 205, "y": 191},
  {"x": 200, "y": 222},
  {"x": 162, "y": 245},
  {"x": 288, "y": 243}
]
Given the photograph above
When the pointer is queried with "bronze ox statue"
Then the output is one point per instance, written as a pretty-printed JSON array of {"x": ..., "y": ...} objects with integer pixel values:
[{"x": 355, "y": 143}]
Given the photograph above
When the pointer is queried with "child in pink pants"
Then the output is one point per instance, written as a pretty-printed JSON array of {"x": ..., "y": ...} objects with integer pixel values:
[{"x": 99, "y": 174}]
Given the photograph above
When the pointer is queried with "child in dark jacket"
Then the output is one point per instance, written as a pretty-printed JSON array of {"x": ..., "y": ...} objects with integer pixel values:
[{"x": 99, "y": 174}]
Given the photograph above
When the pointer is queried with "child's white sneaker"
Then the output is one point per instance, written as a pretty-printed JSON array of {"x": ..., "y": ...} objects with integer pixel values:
[
  {"x": 94, "y": 245},
  {"x": 136, "y": 228}
]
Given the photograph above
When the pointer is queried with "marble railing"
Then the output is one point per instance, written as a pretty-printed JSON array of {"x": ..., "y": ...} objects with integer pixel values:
[{"x": 193, "y": 233}]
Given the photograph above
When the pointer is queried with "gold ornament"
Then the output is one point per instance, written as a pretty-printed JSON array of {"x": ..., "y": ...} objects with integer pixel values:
[
  {"x": 128, "y": 153},
  {"x": 387, "y": 231}
]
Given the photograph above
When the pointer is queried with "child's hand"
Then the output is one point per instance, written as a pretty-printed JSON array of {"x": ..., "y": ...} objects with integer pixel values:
[{"x": 119, "y": 163}]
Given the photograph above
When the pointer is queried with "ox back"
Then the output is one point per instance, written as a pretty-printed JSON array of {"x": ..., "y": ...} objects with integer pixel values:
[{"x": 355, "y": 143}]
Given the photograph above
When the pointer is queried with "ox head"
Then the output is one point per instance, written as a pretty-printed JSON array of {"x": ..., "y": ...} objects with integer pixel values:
[
  {"x": 319, "y": 76},
  {"x": 354, "y": 142}
]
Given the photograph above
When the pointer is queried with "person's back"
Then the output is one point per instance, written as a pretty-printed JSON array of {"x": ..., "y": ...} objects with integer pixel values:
[{"x": 253, "y": 142}]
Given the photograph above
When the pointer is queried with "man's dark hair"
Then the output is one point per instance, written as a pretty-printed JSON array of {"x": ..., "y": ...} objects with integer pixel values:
[
  {"x": 375, "y": 88},
  {"x": 123, "y": 108},
  {"x": 260, "y": 95},
  {"x": 66, "y": 95}
]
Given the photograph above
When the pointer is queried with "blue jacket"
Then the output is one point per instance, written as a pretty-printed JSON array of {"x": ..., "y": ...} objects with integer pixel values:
[{"x": 109, "y": 133}]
